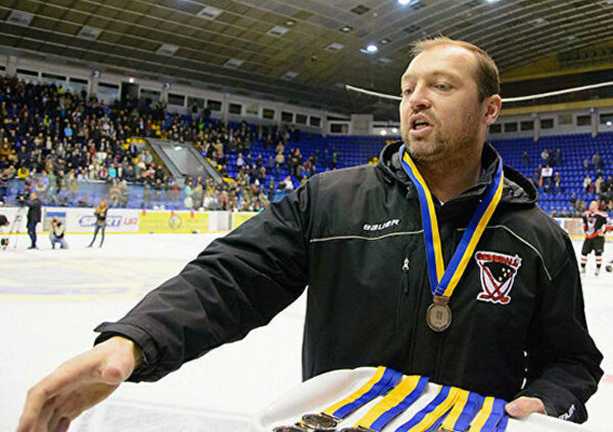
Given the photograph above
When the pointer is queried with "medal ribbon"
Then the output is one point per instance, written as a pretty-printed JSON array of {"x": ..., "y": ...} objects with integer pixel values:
[
  {"x": 395, "y": 403},
  {"x": 491, "y": 417},
  {"x": 428, "y": 417},
  {"x": 444, "y": 281},
  {"x": 463, "y": 413},
  {"x": 380, "y": 383}
]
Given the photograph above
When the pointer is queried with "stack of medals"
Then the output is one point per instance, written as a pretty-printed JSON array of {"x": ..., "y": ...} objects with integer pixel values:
[{"x": 452, "y": 410}]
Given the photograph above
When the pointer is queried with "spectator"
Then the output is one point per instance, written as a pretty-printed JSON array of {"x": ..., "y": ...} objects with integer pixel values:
[
  {"x": 587, "y": 183},
  {"x": 557, "y": 157},
  {"x": 525, "y": 158},
  {"x": 586, "y": 164},
  {"x": 289, "y": 185},
  {"x": 101, "y": 213},
  {"x": 279, "y": 160},
  {"x": 597, "y": 161},
  {"x": 33, "y": 218},
  {"x": 188, "y": 201},
  {"x": 557, "y": 181},
  {"x": 57, "y": 233},
  {"x": 545, "y": 156},
  {"x": 598, "y": 185}
]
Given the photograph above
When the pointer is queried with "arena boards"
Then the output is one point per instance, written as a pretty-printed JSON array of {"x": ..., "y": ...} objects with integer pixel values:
[{"x": 315, "y": 395}]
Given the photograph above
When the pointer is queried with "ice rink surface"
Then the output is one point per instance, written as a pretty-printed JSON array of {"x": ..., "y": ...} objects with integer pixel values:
[{"x": 50, "y": 300}]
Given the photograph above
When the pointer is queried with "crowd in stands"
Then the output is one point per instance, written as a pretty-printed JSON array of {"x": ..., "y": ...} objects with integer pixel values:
[
  {"x": 53, "y": 140},
  {"x": 549, "y": 180}
]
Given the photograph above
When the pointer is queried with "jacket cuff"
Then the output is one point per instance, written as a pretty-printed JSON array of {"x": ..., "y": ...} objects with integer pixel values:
[
  {"x": 558, "y": 401},
  {"x": 146, "y": 371}
]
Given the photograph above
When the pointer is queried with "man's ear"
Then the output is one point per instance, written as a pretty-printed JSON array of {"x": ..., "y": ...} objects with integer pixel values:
[{"x": 493, "y": 105}]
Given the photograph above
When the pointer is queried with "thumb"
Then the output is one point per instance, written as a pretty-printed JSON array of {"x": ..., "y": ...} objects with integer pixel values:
[
  {"x": 524, "y": 406},
  {"x": 514, "y": 409}
]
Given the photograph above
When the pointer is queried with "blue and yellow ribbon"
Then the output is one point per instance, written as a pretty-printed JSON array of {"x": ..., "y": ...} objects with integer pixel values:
[
  {"x": 463, "y": 413},
  {"x": 380, "y": 383},
  {"x": 431, "y": 415},
  {"x": 394, "y": 403},
  {"x": 490, "y": 416},
  {"x": 444, "y": 281}
]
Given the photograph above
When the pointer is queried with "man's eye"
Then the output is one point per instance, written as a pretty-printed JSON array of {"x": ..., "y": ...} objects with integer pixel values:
[
  {"x": 406, "y": 92},
  {"x": 442, "y": 86}
]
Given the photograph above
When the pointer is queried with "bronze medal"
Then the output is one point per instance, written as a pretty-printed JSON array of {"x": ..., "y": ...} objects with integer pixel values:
[
  {"x": 319, "y": 422},
  {"x": 295, "y": 428},
  {"x": 438, "y": 315},
  {"x": 356, "y": 429}
]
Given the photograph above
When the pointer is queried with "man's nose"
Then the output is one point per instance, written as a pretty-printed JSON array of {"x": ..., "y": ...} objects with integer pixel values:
[{"x": 419, "y": 99}]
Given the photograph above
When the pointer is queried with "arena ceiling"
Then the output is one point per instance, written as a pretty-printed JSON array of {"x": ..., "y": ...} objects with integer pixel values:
[{"x": 299, "y": 51}]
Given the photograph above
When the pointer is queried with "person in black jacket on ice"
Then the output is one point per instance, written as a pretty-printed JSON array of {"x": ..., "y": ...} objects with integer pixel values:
[
  {"x": 386, "y": 243},
  {"x": 33, "y": 218}
]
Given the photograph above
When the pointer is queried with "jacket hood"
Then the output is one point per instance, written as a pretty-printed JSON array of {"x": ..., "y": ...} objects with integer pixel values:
[{"x": 518, "y": 190}]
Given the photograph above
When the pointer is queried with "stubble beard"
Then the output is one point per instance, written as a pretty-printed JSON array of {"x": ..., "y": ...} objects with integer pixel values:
[{"x": 444, "y": 150}]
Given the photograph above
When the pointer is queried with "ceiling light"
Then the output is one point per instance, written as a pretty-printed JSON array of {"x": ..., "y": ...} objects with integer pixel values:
[
  {"x": 289, "y": 75},
  {"x": 335, "y": 46},
  {"x": 346, "y": 29},
  {"x": 20, "y": 18},
  {"x": 209, "y": 12},
  {"x": 404, "y": 2},
  {"x": 290, "y": 23},
  {"x": 395, "y": 130},
  {"x": 131, "y": 80},
  {"x": 277, "y": 31},
  {"x": 372, "y": 48},
  {"x": 384, "y": 41},
  {"x": 233, "y": 63},
  {"x": 167, "y": 49},
  {"x": 88, "y": 32},
  {"x": 383, "y": 132},
  {"x": 609, "y": 123}
]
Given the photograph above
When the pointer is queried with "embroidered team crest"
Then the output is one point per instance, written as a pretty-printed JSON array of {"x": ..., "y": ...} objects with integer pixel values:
[{"x": 497, "y": 273}]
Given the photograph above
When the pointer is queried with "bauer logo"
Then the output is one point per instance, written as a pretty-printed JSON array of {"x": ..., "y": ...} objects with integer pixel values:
[{"x": 381, "y": 226}]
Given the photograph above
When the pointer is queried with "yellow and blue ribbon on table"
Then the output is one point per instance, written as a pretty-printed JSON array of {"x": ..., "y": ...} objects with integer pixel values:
[
  {"x": 380, "y": 383},
  {"x": 458, "y": 410},
  {"x": 394, "y": 403}
]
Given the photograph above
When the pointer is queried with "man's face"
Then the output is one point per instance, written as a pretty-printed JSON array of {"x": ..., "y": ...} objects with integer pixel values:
[{"x": 440, "y": 112}]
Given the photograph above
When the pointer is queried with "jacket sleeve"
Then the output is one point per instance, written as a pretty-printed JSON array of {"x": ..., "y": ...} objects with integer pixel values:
[
  {"x": 239, "y": 282},
  {"x": 563, "y": 361}
]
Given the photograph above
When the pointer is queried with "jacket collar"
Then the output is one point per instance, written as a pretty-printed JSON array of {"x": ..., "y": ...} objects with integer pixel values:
[{"x": 518, "y": 190}]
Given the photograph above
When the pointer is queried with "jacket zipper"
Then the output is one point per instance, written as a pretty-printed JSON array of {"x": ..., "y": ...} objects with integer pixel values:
[
  {"x": 404, "y": 292},
  {"x": 415, "y": 313}
]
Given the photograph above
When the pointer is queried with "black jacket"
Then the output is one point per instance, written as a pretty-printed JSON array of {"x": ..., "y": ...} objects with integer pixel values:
[
  {"x": 34, "y": 211},
  {"x": 354, "y": 236}
]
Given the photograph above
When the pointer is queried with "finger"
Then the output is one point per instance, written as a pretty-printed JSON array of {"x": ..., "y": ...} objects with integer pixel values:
[
  {"x": 57, "y": 420},
  {"x": 62, "y": 425},
  {"x": 67, "y": 376},
  {"x": 47, "y": 411},
  {"x": 37, "y": 400},
  {"x": 59, "y": 423}
]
